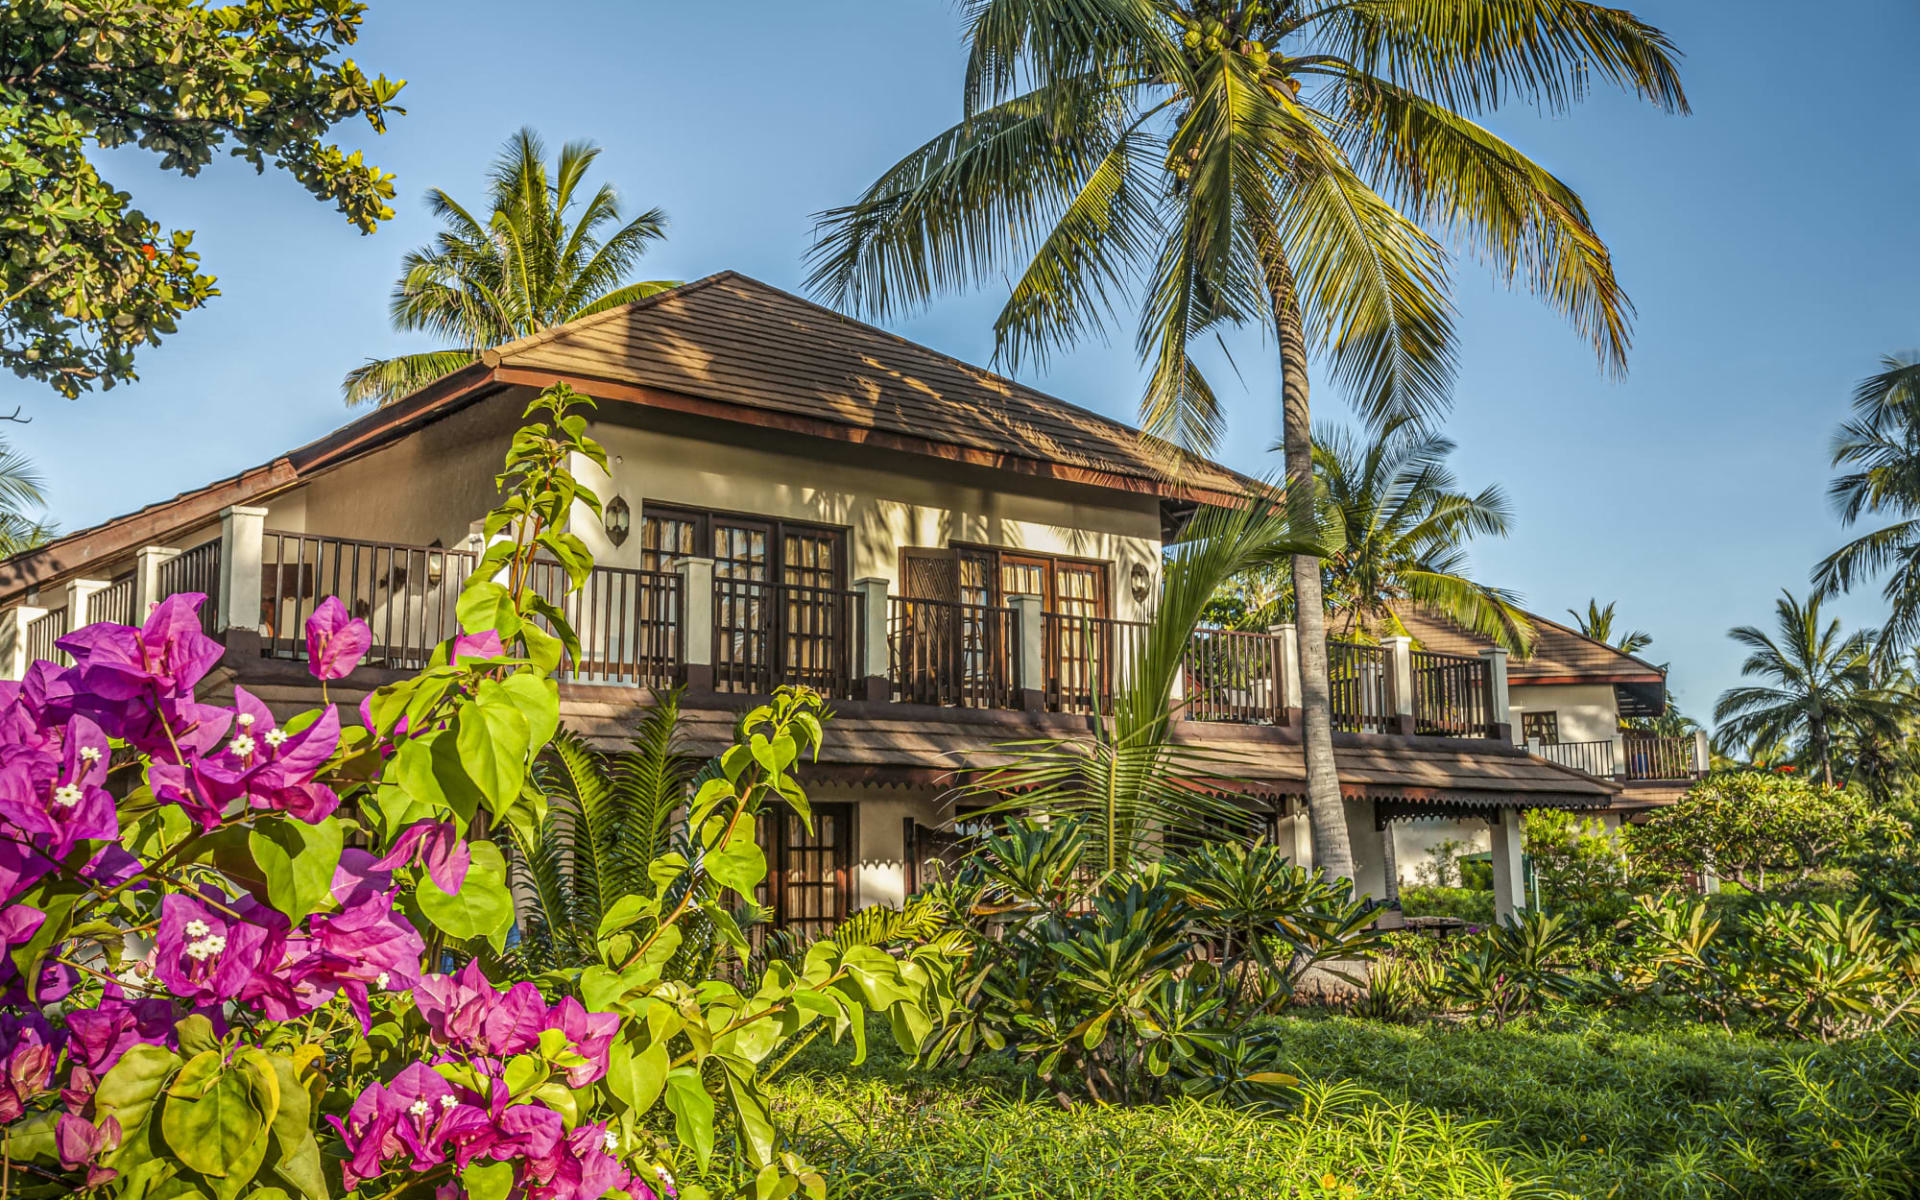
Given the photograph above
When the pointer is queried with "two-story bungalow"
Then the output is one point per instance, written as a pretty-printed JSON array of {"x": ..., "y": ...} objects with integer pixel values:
[{"x": 957, "y": 560}]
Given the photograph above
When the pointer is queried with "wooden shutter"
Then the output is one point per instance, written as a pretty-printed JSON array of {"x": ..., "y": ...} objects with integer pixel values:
[{"x": 929, "y": 574}]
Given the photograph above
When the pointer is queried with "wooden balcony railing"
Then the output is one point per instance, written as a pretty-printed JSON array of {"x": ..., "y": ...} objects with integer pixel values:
[
  {"x": 408, "y": 595},
  {"x": 113, "y": 602},
  {"x": 1452, "y": 695},
  {"x": 1089, "y": 659},
  {"x": 42, "y": 632},
  {"x": 1236, "y": 676},
  {"x": 1360, "y": 678},
  {"x": 1595, "y": 758},
  {"x": 195, "y": 570},
  {"x": 1652, "y": 756},
  {"x": 767, "y": 634},
  {"x": 630, "y": 624},
  {"x": 960, "y": 655}
]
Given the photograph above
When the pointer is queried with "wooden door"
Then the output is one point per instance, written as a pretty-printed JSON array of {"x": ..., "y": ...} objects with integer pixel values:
[
  {"x": 743, "y": 608},
  {"x": 809, "y": 881}
]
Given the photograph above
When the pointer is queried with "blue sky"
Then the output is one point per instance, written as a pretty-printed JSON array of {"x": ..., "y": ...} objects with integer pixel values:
[{"x": 1768, "y": 241}]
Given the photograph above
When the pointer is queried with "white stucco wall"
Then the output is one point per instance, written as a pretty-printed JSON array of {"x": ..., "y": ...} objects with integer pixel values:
[
  {"x": 898, "y": 501},
  {"x": 1588, "y": 712},
  {"x": 1414, "y": 842}
]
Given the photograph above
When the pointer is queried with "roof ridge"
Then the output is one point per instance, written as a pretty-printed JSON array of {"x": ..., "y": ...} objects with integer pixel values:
[
  {"x": 1572, "y": 632},
  {"x": 492, "y": 355}
]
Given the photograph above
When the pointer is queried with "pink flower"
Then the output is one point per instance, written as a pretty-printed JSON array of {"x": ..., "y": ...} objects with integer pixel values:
[
  {"x": 79, "y": 1142},
  {"x": 436, "y": 846},
  {"x": 466, "y": 1013},
  {"x": 28, "y": 1051},
  {"x": 208, "y": 956},
  {"x": 336, "y": 642},
  {"x": 590, "y": 1034},
  {"x": 418, "y": 1120},
  {"x": 482, "y": 645}
]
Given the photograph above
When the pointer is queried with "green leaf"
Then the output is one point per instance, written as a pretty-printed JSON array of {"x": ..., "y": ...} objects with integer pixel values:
[
  {"x": 487, "y": 605},
  {"x": 738, "y": 863},
  {"x": 485, "y": 1180},
  {"x": 692, "y": 1110},
  {"x": 751, "y": 1115},
  {"x": 429, "y": 770},
  {"x": 624, "y": 912},
  {"x": 637, "y": 1077},
  {"x": 482, "y": 907},
  {"x": 492, "y": 737},
  {"x": 538, "y": 699},
  {"x": 128, "y": 1091},
  {"x": 298, "y": 860},
  {"x": 213, "y": 1132}
]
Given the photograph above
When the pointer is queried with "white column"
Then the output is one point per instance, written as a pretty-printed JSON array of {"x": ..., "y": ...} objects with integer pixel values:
[
  {"x": 875, "y": 657},
  {"x": 78, "y": 590},
  {"x": 1619, "y": 754},
  {"x": 1496, "y": 660},
  {"x": 1289, "y": 636},
  {"x": 1509, "y": 877},
  {"x": 13, "y": 640},
  {"x": 146, "y": 578},
  {"x": 1302, "y": 836},
  {"x": 242, "y": 534},
  {"x": 696, "y": 612},
  {"x": 1032, "y": 680},
  {"x": 1702, "y": 752},
  {"x": 1400, "y": 665}
]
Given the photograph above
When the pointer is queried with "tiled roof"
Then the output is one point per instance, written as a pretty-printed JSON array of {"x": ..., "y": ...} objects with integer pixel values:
[{"x": 1558, "y": 652}]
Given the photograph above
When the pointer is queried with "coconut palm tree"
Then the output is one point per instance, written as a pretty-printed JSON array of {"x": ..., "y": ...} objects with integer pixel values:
[
  {"x": 1597, "y": 623},
  {"x": 1819, "y": 683},
  {"x": 1882, "y": 445},
  {"x": 1405, "y": 525},
  {"x": 20, "y": 490},
  {"x": 539, "y": 256},
  {"x": 1288, "y": 163}
]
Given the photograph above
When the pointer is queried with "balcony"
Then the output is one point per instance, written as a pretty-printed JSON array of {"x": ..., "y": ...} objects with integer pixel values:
[
  {"x": 651, "y": 630},
  {"x": 1633, "y": 757}
]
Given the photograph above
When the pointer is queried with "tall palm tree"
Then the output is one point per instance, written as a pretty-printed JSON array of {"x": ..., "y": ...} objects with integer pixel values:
[
  {"x": 539, "y": 256},
  {"x": 1597, "y": 623},
  {"x": 1819, "y": 683},
  {"x": 1291, "y": 163},
  {"x": 1406, "y": 525},
  {"x": 1882, "y": 445},
  {"x": 20, "y": 490}
]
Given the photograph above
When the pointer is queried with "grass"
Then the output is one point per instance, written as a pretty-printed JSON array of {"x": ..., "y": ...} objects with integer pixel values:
[{"x": 1601, "y": 1108}]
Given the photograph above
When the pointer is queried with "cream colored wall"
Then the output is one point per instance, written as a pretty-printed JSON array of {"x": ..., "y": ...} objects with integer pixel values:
[
  {"x": 893, "y": 503},
  {"x": 432, "y": 484},
  {"x": 1589, "y": 712},
  {"x": 1414, "y": 842}
]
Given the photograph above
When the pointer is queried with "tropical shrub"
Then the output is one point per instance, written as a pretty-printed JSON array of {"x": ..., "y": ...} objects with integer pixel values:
[
  {"x": 1755, "y": 826},
  {"x": 1135, "y": 984},
  {"x": 1475, "y": 907},
  {"x": 1819, "y": 970},
  {"x": 1510, "y": 968},
  {"x": 209, "y": 992},
  {"x": 1580, "y": 866}
]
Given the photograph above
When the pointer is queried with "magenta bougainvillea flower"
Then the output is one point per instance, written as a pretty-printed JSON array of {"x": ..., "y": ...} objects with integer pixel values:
[
  {"x": 205, "y": 953},
  {"x": 590, "y": 1034},
  {"x": 98, "y": 1036},
  {"x": 418, "y": 1120},
  {"x": 467, "y": 1013},
  {"x": 436, "y": 846},
  {"x": 268, "y": 767},
  {"x": 79, "y": 1142},
  {"x": 28, "y": 1051},
  {"x": 482, "y": 645},
  {"x": 336, "y": 641}
]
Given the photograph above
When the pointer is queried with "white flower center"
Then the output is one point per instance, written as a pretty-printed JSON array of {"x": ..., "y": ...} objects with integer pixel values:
[
  {"x": 420, "y": 1108},
  {"x": 276, "y": 736},
  {"x": 611, "y": 1141},
  {"x": 380, "y": 981},
  {"x": 90, "y": 754},
  {"x": 66, "y": 795},
  {"x": 242, "y": 744},
  {"x": 197, "y": 928},
  {"x": 206, "y": 947},
  {"x": 449, "y": 1100},
  {"x": 665, "y": 1175},
  {"x": 245, "y": 720}
]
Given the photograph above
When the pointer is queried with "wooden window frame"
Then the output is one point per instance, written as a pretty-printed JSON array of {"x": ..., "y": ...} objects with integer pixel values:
[
  {"x": 1549, "y": 717},
  {"x": 998, "y": 556},
  {"x": 776, "y": 527},
  {"x": 845, "y": 858}
]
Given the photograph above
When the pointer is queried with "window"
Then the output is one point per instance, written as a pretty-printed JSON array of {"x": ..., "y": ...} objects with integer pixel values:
[
  {"x": 809, "y": 874},
  {"x": 1543, "y": 727},
  {"x": 987, "y": 575}
]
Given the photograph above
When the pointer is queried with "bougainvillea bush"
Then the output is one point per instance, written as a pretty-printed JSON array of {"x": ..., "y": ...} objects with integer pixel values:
[{"x": 246, "y": 955}]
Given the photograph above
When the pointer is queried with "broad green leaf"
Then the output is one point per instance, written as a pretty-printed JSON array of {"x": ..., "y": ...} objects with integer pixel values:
[
  {"x": 214, "y": 1131},
  {"x": 692, "y": 1110},
  {"x": 128, "y": 1091},
  {"x": 487, "y": 605},
  {"x": 492, "y": 737},
  {"x": 754, "y": 1121},
  {"x": 482, "y": 907},
  {"x": 298, "y": 861},
  {"x": 538, "y": 699},
  {"x": 738, "y": 863},
  {"x": 637, "y": 1077},
  {"x": 485, "y": 1180},
  {"x": 624, "y": 912}
]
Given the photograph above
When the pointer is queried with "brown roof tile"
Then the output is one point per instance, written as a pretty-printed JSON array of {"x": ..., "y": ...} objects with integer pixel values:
[{"x": 1558, "y": 651}]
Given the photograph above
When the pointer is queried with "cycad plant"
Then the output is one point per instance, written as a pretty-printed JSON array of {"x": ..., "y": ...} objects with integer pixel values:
[
  {"x": 543, "y": 253},
  {"x": 1296, "y": 164},
  {"x": 608, "y": 816},
  {"x": 1819, "y": 682},
  {"x": 1405, "y": 526},
  {"x": 1127, "y": 781},
  {"x": 1881, "y": 446}
]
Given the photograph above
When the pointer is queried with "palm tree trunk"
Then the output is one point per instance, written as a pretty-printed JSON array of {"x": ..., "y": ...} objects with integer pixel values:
[{"x": 1326, "y": 812}]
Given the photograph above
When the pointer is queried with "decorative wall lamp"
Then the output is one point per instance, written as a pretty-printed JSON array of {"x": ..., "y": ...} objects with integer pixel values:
[
  {"x": 1140, "y": 581},
  {"x": 436, "y": 563},
  {"x": 618, "y": 518}
]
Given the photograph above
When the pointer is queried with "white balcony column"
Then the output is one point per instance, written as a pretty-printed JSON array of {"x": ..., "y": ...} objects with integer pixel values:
[
  {"x": 13, "y": 639},
  {"x": 1031, "y": 630},
  {"x": 1400, "y": 678},
  {"x": 1509, "y": 873},
  {"x": 1289, "y": 635},
  {"x": 78, "y": 593},
  {"x": 696, "y": 621},
  {"x": 146, "y": 578},
  {"x": 243, "y": 530},
  {"x": 1501, "y": 716},
  {"x": 1702, "y": 753},
  {"x": 875, "y": 661},
  {"x": 1619, "y": 754}
]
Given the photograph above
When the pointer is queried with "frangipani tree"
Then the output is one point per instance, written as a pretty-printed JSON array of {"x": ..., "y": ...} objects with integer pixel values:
[{"x": 1305, "y": 167}]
